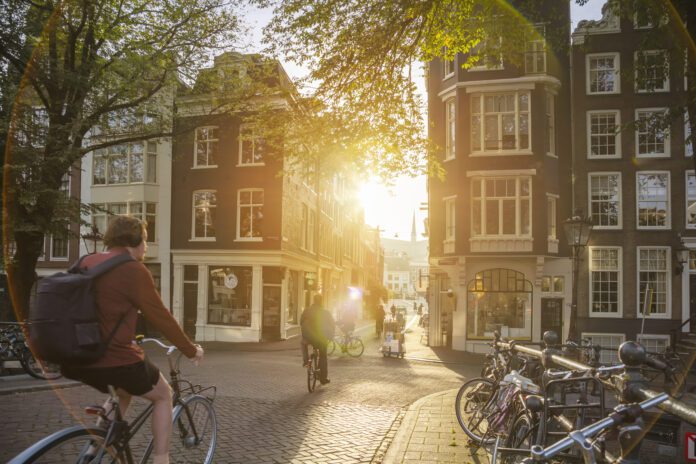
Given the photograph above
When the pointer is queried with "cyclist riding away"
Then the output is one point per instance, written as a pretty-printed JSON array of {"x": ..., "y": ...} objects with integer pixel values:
[
  {"x": 317, "y": 329},
  {"x": 120, "y": 293}
]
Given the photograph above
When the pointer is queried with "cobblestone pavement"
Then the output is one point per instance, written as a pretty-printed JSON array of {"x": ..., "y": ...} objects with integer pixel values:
[{"x": 264, "y": 411}]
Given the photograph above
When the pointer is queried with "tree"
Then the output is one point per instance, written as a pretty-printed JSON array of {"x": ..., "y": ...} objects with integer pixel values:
[{"x": 70, "y": 66}]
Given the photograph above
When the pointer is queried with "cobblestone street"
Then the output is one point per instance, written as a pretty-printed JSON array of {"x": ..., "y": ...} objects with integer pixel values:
[{"x": 265, "y": 414}]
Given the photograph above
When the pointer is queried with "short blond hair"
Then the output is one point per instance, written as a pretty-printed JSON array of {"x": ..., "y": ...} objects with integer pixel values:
[{"x": 124, "y": 231}]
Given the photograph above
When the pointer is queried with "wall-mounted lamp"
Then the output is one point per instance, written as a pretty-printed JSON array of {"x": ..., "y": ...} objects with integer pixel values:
[
  {"x": 450, "y": 293},
  {"x": 92, "y": 236},
  {"x": 681, "y": 255}
]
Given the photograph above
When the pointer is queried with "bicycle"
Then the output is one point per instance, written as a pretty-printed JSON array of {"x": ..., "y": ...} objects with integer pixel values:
[
  {"x": 349, "y": 344},
  {"x": 14, "y": 347},
  {"x": 194, "y": 431}
]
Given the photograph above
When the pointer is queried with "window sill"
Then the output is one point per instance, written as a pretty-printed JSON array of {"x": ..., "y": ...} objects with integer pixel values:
[
  {"x": 448, "y": 246},
  {"x": 652, "y": 91},
  {"x": 449, "y": 159},
  {"x": 212, "y": 166},
  {"x": 511, "y": 152},
  {"x": 599, "y": 94},
  {"x": 448, "y": 76},
  {"x": 607, "y": 227},
  {"x": 667, "y": 227},
  {"x": 249, "y": 239},
  {"x": 618, "y": 315},
  {"x": 653, "y": 155},
  {"x": 250, "y": 165},
  {"x": 202, "y": 239},
  {"x": 485, "y": 68},
  {"x": 595, "y": 157},
  {"x": 552, "y": 155}
]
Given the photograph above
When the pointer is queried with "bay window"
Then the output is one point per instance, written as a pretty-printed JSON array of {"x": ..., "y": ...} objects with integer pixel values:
[
  {"x": 500, "y": 122},
  {"x": 501, "y": 206},
  {"x": 125, "y": 164}
]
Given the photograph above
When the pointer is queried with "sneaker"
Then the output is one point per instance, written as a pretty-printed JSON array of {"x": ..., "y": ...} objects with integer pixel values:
[{"x": 325, "y": 381}]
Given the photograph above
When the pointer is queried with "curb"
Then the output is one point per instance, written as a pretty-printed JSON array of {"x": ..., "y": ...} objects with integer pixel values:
[{"x": 396, "y": 450}]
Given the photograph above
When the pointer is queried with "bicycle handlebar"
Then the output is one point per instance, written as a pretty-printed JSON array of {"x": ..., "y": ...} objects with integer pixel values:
[
  {"x": 624, "y": 413},
  {"x": 139, "y": 339}
]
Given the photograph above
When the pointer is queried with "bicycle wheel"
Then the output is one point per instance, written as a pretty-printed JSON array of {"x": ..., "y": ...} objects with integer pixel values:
[
  {"x": 355, "y": 347},
  {"x": 331, "y": 347},
  {"x": 194, "y": 432},
  {"x": 37, "y": 368},
  {"x": 77, "y": 445},
  {"x": 471, "y": 406},
  {"x": 522, "y": 434},
  {"x": 312, "y": 371}
]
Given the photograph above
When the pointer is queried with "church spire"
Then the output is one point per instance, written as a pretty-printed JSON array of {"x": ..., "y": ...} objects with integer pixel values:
[{"x": 413, "y": 227}]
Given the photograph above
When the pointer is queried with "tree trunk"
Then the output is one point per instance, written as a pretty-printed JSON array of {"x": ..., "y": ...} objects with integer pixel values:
[{"x": 21, "y": 274}]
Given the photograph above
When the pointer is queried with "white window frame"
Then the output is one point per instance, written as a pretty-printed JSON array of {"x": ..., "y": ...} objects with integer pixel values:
[
  {"x": 617, "y": 134},
  {"x": 641, "y": 337},
  {"x": 604, "y": 354},
  {"x": 668, "y": 221},
  {"x": 105, "y": 155},
  {"x": 482, "y": 62},
  {"x": 688, "y": 144},
  {"x": 205, "y": 238},
  {"x": 67, "y": 248},
  {"x": 590, "y": 200},
  {"x": 251, "y": 139},
  {"x": 252, "y": 205},
  {"x": 665, "y": 133},
  {"x": 551, "y": 123},
  {"x": 518, "y": 207},
  {"x": 617, "y": 67},
  {"x": 501, "y": 151},
  {"x": 448, "y": 66},
  {"x": 619, "y": 283},
  {"x": 450, "y": 206},
  {"x": 207, "y": 141},
  {"x": 450, "y": 129},
  {"x": 665, "y": 82},
  {"x": 668, "y": 283},
  {"x": 534, "y": 48},
  {"x": 689, "y": 199},
  {"x": 552, "y": 217}
]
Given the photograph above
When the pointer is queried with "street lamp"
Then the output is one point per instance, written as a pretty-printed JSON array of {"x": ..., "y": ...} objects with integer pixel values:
[
  {"x": 94, "y": 236},
  {"x": 577, "y": 230}
]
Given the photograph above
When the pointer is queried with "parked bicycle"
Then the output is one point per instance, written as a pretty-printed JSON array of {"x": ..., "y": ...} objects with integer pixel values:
[
  {"x": 348, "y": 343},
  {"x": 194, "y": 433},
  {"x": 14, "y": 347}
]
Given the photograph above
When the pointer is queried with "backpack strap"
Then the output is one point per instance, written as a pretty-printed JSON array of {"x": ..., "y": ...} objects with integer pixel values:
[
  {"x": 75, "y": 268},
  {"x": 109, "y": 264}
]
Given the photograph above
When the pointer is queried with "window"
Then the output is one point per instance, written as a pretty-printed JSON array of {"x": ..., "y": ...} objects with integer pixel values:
[
  {"x": 501, "y": 206},
  {"x": 499, "y": 299},
  {"x": 552, "y": 284},
  {"x": 303, "y": 226},
  {"x": 450, "y": 128},
  {"x": 550, "y": 123},
  {"x": 206, "y": 147},
  {"x": 311, "y": 226},
  {"x": 447, "y": 68},
  {"x": 500, "y": 121},
  {"x": 250, "y": 214},
  {"x": 605, "y": 199},
  {"x": 653, "y": 200},
  {"x": 603, "y": 73},
  {"x": 487, "y": 55},
  {"x": 145, "y": 211},
  {"x": 251, "y": 147},
  {"x": 605, "y": 281},
  {"x": 551, "y": 217},
  {"x": 124, "y": 164},
  {"x": 690, "y": 200},
  {"x": 204, "y": 206},
  {"x": 603, "y": 134},
  {"x": 652, "y": 138},
  {"x": 611, "y": 342},
  {"x": 59, "y": 247},
  {"x": 688, "y": 144},
  {"x": 449, "y": 224},
  {"x": 535, "y": 53},
  {"x": 653, "y": 273},
  {"x": 229, "y": 295},
  {"x": 652, "y": 71},
  {"x": 654, "y": 343}
]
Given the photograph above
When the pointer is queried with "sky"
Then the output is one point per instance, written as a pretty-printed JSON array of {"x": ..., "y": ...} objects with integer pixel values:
[{"x": 391, "y": 208}]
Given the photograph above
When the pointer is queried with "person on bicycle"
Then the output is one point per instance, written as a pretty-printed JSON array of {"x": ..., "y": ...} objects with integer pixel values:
[
  {"x": 317, "y": 330},
  {"x": 120, "y": 293}
]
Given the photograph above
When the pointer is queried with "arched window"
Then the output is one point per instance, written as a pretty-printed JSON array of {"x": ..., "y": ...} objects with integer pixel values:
[{"x": 499, "y": 299}]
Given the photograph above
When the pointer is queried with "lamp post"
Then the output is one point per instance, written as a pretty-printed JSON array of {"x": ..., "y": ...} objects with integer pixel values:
[
  {"x": 94, "y": 236},
  {"x": 577, "y": 230}
]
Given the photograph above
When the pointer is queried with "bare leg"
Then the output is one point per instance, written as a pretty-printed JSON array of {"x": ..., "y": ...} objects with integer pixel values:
[{"x": 161, "y": 397}]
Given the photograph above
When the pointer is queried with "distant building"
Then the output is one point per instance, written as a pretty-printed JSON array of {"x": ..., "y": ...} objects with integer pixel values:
[{"x": 406, "y": 265}]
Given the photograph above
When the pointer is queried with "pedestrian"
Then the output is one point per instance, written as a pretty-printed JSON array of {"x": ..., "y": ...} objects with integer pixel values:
[
  {"x": 415, "y": 307},
  {"x": 379, "y": 319},
  {"x": 420, "y": 309},
  {"x": 392, "y": 310},
  {"x": 120, "y": 293},
  {"x": 318, "y": 328}
]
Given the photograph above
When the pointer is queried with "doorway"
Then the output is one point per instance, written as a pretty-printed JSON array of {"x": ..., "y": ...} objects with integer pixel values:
[
  {"x": 190, "y": 300},
  {"x": 271, "y": 312},
  {"x": 552, "y": 316}
]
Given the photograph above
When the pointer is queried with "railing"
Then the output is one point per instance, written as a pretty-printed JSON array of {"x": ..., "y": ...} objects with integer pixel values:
[{"x": 675, "y": 334}]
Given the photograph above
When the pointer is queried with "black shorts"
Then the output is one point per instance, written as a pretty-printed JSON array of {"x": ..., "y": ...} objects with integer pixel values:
[{"x": 137, "y": 379}]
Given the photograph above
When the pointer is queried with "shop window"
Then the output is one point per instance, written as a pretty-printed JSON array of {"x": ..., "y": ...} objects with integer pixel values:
[
  {"x": 293, "y": 294},
  {"x": 229, "y": 295},
  {"x": 499, "y": 299}
]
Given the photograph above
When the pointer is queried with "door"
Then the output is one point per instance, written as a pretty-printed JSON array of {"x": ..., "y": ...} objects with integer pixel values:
[
  {"x": 271, "y": 312},
  {"x": 190, "y": 308},
  {"x": 552, "y": 316}
]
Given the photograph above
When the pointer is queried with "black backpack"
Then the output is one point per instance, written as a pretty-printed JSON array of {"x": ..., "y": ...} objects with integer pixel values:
[{"x": 64, "y": 319}]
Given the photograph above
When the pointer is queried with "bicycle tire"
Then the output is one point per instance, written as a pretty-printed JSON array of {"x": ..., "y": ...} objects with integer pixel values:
[
  {"x": 194, "y": 432},
  {"x": 69, "y": 445},
  {"x": 472, "y": 401},
  {"x": 355, "y": 347},
  {"x": 37, "y": 368},
  {"x": 312, "y": 371},
  {"x": 522, "y": 435},
  {"x": 331, "y": 347}
]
